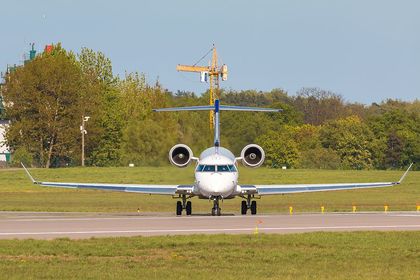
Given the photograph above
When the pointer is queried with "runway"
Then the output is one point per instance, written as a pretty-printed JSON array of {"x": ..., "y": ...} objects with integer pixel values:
[{"x": 22, "y": 225}]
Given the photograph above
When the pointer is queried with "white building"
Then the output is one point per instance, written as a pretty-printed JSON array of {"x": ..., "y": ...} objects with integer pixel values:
[{"x": 4, "y": 150}]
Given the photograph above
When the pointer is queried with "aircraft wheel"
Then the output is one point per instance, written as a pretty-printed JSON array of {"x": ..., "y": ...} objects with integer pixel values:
[
  {"x": 188, "y": 208},
  {"x": 244, "y": 207},
  {"x": 178, "y": 208},
  {"x": 213, "y": 212},
  {"x": 254, "y": 207}
]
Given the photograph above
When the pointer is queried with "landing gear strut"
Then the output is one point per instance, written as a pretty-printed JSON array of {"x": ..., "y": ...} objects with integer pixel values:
[
  {"x": 184, "y": 204},
  {"x": 216, "y": 210},
  {"x": 248, "y": 204}
]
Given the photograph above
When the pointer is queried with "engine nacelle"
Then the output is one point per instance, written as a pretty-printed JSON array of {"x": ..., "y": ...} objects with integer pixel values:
[
  {"x": 180, "y": 155},
  {"x": 252, "y": 155}
]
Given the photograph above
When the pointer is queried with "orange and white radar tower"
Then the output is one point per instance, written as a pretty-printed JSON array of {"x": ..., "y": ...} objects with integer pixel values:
[{"x": 210, "y": 74}]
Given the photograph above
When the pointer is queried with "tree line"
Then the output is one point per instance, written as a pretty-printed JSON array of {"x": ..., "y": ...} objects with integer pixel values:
[{"x": 46, "y": 98}]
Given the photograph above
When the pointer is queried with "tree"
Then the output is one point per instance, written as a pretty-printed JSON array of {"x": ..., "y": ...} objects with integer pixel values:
[
  {"x": 395, "y": 148},
  {"x": 351, "y": 140},
  {"x": 147, "y": 142},
  {"x": 319, "y": 158},
  {"x": 44, "y": 100},
  {"x": 2, "y": 111},
  {"x": 397, "y": 133},
  {"x": 104, "y": 146},
  {"x": 147, "y": 136},
  {"x": 280, "y": 149},
  {"x": 311, "y": 152},
  {"x": 319, "y": 106}
]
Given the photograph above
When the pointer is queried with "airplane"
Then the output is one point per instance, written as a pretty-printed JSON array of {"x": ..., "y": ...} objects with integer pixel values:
[{"x": 216, "y": 172}]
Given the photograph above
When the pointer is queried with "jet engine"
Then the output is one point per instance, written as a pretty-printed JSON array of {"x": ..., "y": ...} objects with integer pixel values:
[
  {"x": 180, "y": 155},
  {"x": 252, "y": 155}
]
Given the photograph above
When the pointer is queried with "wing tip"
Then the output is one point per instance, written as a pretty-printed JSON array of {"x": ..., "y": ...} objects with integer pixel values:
[
  {"x": 29, "y": 174},
  {"x": 405, "y": 174}
]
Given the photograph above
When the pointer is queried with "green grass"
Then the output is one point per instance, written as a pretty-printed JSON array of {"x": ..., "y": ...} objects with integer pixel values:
[
  {"x": 18, "y": 194},
  {"x": 356, "y": 255}
]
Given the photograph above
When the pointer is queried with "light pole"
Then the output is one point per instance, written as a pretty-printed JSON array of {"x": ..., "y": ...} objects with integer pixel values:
[{"x": 83, "y": 131}]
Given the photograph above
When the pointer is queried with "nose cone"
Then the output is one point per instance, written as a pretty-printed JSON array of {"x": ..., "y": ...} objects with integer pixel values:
[{"x": 216, "y": 184}]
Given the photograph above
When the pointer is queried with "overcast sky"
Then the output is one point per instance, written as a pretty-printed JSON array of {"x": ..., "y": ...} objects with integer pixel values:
[{"x": 365, "y": 50}]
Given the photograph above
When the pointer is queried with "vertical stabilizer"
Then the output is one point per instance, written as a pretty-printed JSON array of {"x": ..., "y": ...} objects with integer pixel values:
[
  {"x": 216, "y": 110},
  {"x": 216, "y": 123}
]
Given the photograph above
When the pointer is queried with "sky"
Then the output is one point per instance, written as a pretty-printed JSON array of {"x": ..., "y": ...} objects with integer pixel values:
[{"x": 365, "y": 50}]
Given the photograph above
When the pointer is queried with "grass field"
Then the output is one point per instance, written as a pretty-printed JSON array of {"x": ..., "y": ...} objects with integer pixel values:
[
  {"x": 357, "y": 255},
  {"x": 18, "y": 194}
]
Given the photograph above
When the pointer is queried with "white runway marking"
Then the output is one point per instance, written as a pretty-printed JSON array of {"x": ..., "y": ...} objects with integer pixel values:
[
  {"x": 53, "y": 218},
  {"x": 198, "y": 230},
  {"x": 128, "y": 218},
  {"x": 404, "y": 215}
]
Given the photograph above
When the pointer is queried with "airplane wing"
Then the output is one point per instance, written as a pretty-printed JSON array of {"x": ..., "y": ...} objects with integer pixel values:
[
  {"x": 302, "y": 188},
  {"x": 133, "y": 188}
]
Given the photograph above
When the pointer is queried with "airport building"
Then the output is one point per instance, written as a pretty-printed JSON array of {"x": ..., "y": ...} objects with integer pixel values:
[{"x": 4, "y": 150}]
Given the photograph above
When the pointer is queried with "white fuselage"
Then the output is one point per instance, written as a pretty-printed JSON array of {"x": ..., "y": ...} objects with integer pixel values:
[{"x": 216, "y": 173}]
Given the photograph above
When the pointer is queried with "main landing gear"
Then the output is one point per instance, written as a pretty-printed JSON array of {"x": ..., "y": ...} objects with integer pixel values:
[
  {"x": 184, "y": 204},
  {"x": 216, "y": 210},
  {"x": 248, "y": 204}
]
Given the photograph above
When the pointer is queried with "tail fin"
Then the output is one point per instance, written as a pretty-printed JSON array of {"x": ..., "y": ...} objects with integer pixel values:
[{"x": 216, "y": 108}]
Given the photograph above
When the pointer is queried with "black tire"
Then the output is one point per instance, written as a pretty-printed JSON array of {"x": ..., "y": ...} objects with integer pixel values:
[
  {"x": 244, "y": 207},
  {"x": 253, "y": 208},
  {"x": 188, "y": 208},
  {"x": 213, "y": 212},
  {"x": 178, "y": 208},
  {"x": 219, "y": 211}
]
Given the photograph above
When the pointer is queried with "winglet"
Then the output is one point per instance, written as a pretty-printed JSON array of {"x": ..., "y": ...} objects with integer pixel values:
[
  {"x": 405, "y": 173},
  {"x": 29, "y": 174}
]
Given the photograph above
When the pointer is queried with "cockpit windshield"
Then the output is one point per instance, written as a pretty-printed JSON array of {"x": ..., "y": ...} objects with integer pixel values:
[
  {"x": 213, "y": 168},
  {"x": 209, "y": 168},
  {"x": 222, "y": 168}
]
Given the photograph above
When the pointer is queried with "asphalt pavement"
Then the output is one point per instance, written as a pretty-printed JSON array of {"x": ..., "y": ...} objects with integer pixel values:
[{"x": 42, "y": 225}]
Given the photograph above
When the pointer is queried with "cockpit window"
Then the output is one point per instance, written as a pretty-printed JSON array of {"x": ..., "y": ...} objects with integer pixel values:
[
  {"x": 213, "y": 168},
  {"x": 209, "y": 168},
  {"x": 222, "y": 168}
]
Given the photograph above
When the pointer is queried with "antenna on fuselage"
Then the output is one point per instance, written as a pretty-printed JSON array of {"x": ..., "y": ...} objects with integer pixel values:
[{"x": 216, "y": 108}]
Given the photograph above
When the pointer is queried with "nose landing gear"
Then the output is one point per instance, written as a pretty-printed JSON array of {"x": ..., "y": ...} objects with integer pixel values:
[
  {"x": 248, "y": 204},
  {"x": 184, "y": 204},
  {"x": 216, "y": 210}
]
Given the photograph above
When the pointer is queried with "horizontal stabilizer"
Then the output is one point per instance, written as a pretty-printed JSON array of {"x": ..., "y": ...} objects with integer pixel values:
[
  {"x": 248, "y": 109},
  {"x": 217, "y": 108},
  {"x": 190, "y": 108}
]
